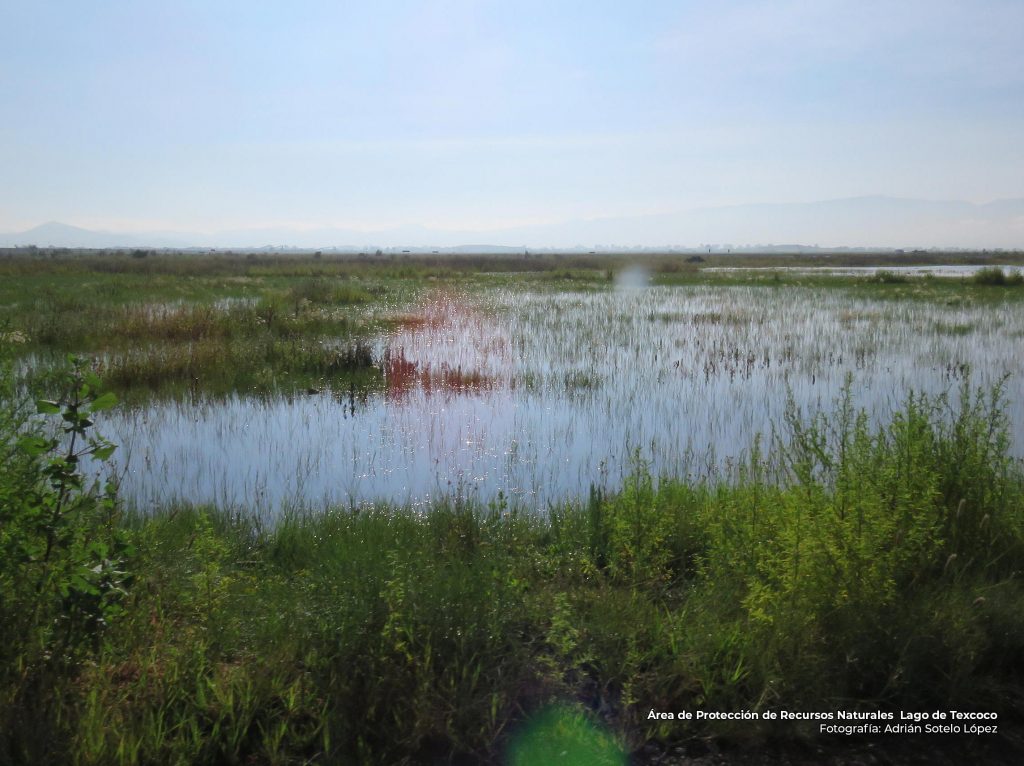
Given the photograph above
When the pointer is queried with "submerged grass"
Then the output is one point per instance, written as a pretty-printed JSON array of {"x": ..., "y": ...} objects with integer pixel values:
[{"x": 849, "y": 567}]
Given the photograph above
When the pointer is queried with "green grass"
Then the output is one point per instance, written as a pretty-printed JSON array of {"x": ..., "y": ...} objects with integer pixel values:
[
  {"x": 176, "y": 335},
  {"x": 848, "y": 567}
]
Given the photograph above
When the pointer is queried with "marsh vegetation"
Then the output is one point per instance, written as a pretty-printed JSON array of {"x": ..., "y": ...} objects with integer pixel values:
[{"x": 410, "y": 511}]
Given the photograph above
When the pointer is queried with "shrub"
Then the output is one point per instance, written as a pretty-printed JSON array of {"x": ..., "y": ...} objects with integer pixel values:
[
  {"x": 62, "y": 557},
  {"x": 994, "y": 276}
]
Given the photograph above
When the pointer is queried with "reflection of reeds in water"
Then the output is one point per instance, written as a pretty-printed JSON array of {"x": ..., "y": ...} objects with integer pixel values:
[
  {"x": 402, "y": 376},
  {"x": 449, "y": 346},
  {"x": 536, "y": 393}
]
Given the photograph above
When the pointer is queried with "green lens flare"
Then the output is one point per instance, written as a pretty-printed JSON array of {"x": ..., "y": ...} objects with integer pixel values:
[{"x": 564, "y": 736}]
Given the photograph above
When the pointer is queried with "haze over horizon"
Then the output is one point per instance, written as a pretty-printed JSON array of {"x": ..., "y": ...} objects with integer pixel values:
[
  {"x": 863, "y": 222},
  {"x": 524, "y": 118}
]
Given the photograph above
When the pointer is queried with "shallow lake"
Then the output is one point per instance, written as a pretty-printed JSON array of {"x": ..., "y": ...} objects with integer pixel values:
[
  {"x": 952, "y": 270},
  {"x": 537, "y": 395}
]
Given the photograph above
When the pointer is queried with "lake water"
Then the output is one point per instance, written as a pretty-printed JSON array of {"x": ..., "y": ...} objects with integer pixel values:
[
  {"x": 953, "y": 270},
  {"x": 537, "y": 395}
]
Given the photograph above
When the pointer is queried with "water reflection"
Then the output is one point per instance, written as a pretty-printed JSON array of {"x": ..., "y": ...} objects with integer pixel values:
[
  {"x": 948, "y": 270},
  {"x": 537, "y": 395}
]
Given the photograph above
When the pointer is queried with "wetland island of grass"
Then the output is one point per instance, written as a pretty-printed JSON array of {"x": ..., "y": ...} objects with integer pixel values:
[{"x": 293, "y": 509}]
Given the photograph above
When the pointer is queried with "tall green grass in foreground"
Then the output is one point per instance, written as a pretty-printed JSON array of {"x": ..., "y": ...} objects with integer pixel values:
[{"x": 850, "y": 567}]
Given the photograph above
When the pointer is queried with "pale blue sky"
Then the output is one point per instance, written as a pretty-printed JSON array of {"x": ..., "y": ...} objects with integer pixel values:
[{"x": 212, "y": 115}]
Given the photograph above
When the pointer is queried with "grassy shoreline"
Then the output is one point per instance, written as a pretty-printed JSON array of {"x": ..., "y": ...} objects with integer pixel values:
[{"x": 851, "y": 568}]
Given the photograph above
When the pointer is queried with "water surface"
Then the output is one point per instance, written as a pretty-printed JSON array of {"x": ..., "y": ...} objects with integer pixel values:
[{"x": 537, "y": 395}]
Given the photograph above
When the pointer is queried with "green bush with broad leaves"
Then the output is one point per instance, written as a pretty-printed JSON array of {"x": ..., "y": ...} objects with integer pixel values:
[{"x": 63, "y": 553}]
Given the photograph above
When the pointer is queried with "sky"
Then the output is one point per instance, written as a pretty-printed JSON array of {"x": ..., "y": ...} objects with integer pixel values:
[{"x": 480, "y": 115}]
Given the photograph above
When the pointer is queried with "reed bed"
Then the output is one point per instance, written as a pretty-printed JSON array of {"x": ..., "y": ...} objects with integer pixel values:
[{"x": 539, "y": 393}]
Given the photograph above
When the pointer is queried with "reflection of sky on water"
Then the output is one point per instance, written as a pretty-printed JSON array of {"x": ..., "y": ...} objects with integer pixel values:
[
  {"x": 540, "y": 394},
  {"x": 950, "y": 270}
]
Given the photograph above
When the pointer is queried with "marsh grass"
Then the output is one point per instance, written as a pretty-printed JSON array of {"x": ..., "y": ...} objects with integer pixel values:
[
  {"x": 848, "y": 561},
  {"x": 312, "y": 334},
  {"x": 851, "y": 566},
  {"x": 688, "y": 373},
  {"x": 259, "y": 366},
  {"x": 890, "y": 278},
  {"x": 110, "y": 304},
  {"x": 994, "y": 276}
]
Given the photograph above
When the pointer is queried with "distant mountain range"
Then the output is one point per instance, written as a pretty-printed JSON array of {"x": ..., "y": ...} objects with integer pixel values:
[{"x": 877, "y": 221}]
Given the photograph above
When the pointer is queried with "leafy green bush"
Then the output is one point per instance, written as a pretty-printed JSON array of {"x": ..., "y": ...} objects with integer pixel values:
[
  {"x": 63, "y": 555},
  {"x": 868, "y": 521},
  {"x": 638, "y": 529}
]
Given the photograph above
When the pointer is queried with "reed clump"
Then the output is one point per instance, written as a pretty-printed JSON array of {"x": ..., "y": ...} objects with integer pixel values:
[{"x": 995, "y": 276}]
